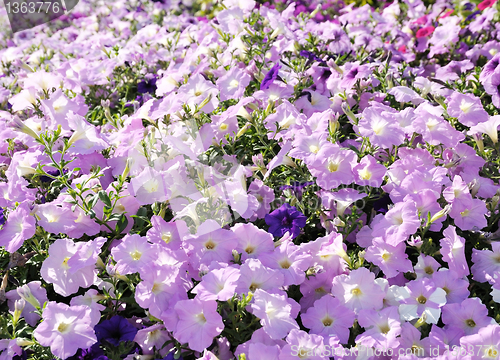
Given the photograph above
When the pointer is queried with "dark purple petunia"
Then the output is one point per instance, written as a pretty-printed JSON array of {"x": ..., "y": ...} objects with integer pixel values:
[
  {"x": 115, "y": 330},
  {"x": 147, "y": 86},
  {"x": 2, "y": 218},
  {"x": 92, "y": 353},
  {"x": 286, "y": 218},
  {"x": 382, "y": 205},
  {"x": 311, "y": 56},
  {"x": 270, "y": 77},
  {"x": 47, "y": 179},
  {"x": 297, "y": 187}
]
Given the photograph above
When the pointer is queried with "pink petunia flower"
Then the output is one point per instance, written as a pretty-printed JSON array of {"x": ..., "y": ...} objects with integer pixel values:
[
  {"x": 382, "y": 328},
  {"x": 65, "y": 329},
  {"x": 55, "y": 268},
  {"x": 358, "y": 290},
  {"x": 421, "y": 297},
  {"x": 453, "y": 251},
  {"x": 134, "y": 254},
  {"x": 219, "y": 284},
  {"x": 486, "y": 341},
  {"x": 328, "y": 316},
  {"x": 19, "y": 227},
  {"x": 398, "y": 223},
  {"x": 486, "y": 262},
  {"x": 275, "y": 312},
  {"x": 470, "y": 316},
  {"x": 198, "y": 323}
]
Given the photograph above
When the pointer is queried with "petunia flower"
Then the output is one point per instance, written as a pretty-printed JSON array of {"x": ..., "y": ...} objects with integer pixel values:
[
  {"x": 198, "y": 323},
  {"x": 133, "y": 254},
  {"x": 252, "y": 241},
  {"x": 303, "y": 346},
  {"x": 392, "y": 260},
  {"x": 65, "y": 329},
  {"x": 398, "y": 223},
  {"x": 453, "y": 251},
  {"x": 485, "y": 262},
  {"x": 34, "y": 296},
  {"x": 421, "y": 297},
  {"x": 115, "y": 330},
  {"x": 358, "y": 290},
  {"x": 218, "y": 284},
  {"x": 232, "y": 85},
  {"x": 151, "y": 338},
  {"x": 55, "y": 268},
  {"x": 270, "y": 76},
  {"x": 456, "y": 289},
  {"x": 285, "y": 219},
  {"x": 489, "y": 127},
  {"x": 486, "y": 342},
  {"x": 467, "y": 108},
  {"x": 328, "y": 316},
  {"x": 275, "y": 312},
  {"x": 20, "y": 226},
  {"x": 470, "y": 316},
  {"x": 382, "y": 328}
]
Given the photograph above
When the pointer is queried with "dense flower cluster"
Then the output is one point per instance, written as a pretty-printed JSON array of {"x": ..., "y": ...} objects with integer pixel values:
[{"x": 258, "y": 183}]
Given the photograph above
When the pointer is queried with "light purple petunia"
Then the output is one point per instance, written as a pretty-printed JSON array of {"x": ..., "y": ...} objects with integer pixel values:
[
  {"x": 19, "y": 227},
  {"x": 65, "y": 329}
]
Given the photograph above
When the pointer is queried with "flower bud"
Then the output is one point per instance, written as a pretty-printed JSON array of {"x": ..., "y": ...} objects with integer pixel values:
[{"x": 26, "y": 294}]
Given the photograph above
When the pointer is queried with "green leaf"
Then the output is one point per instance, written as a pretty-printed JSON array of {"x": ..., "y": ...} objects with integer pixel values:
[
  {"x": 104, "y": 198},
  {"x": 121, "y": 224}
]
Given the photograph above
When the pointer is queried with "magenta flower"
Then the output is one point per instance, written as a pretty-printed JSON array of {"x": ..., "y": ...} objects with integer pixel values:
[
  {"x": 198, "y": 323},
  {"x": 65, "y": 329},
  {"x": 285, "y": 219}
]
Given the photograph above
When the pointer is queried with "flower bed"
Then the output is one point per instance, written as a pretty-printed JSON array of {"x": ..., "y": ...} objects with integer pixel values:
[{"x": 232, "y": 180}]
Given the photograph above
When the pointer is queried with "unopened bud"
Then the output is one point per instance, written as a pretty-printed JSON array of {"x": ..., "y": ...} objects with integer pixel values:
[{"x": 441, "y": 213}]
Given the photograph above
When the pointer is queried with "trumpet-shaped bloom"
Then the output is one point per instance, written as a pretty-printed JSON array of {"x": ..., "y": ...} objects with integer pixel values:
[
  {"x": 485, "y": 262},
  {"x": 328, "y": 316},
  {"x": 398, "y": 223},
  {"x": 19, "y": 227},
  {"x": 65, "y": 329},
  {"x": 219, "y": 284},
  {"x": 467, "y": 108},
  {"x": 198, "y": 323},
  {"x": 275, "y": 312},
  {"x": 421, "y": 297},
  {"x": 285, "y": 219},
  {"x": 134, "y": 254},
  {"x": 381, "y": 328},
  {"x": 453, "y": 251},
  {"x": 470, "y": 316},
  {"x": 55, "y": 268},
  {"x": 149, "y": 186},
  {"x": 358, "y": 290},
  {"x": 486, "y": 342}
]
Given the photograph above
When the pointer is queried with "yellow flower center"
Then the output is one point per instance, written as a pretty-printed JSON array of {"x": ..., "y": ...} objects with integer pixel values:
[
  {"x": 166, "y": 237},
  {"x": 223, "y": 126},
  {"x": 422, "y": 299},
  {"x": 63, "y": 327},
  {"x": 65, "y": 263},
  {"x": 314, "y": 149},
  {"x": 356, "y": 292},
  {"x": 234, "y": 83},
  {"x": 332, "y": 167},
  {"x": 249, "y": 249},
  {"x": 470, "y": 323},
  {"x": 136, "y": 255}
]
